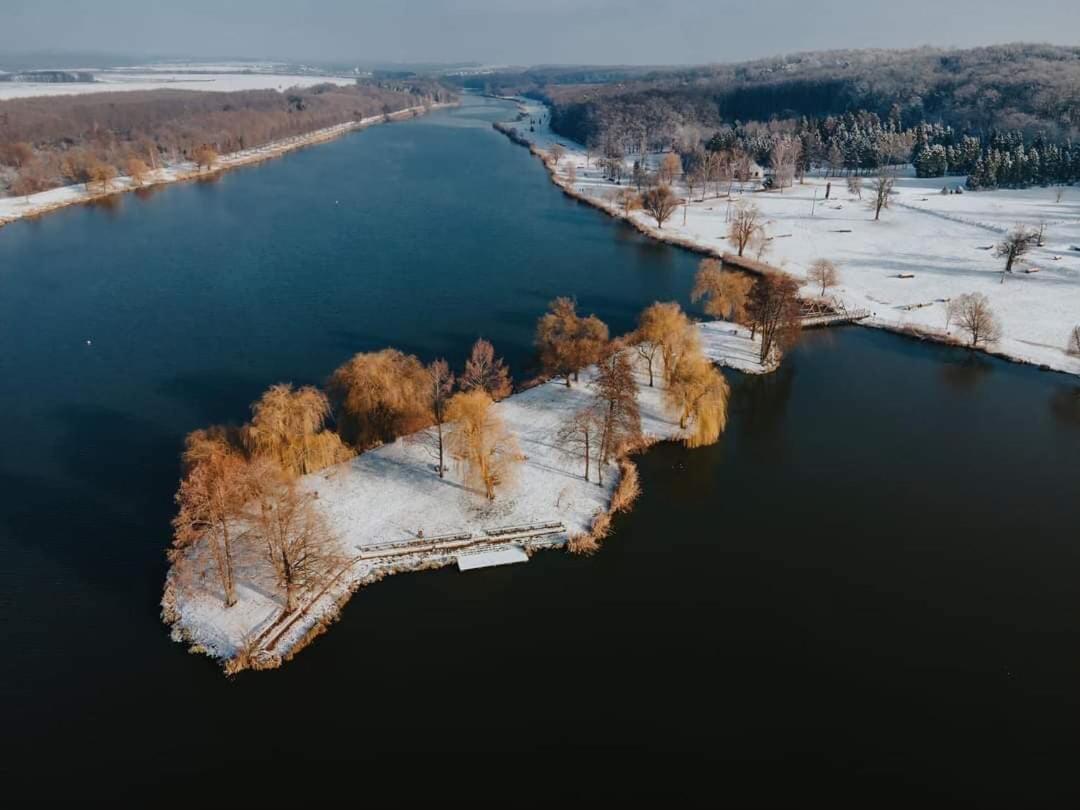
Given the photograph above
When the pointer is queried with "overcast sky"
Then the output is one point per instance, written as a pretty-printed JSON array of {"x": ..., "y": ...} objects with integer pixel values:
[{"x": 524, "y": 31}]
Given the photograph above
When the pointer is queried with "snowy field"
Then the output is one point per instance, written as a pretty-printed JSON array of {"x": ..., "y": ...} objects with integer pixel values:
[
  {"x": 392, "y": 493},
  {"x": 944, "y": 241},
  {"x": 156, "y": 79}
]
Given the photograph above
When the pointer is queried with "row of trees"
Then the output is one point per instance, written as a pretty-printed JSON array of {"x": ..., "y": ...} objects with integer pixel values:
[
  {"x": 669, "y": 345},
  {"x": 56, "y": 140},
  {"x": 993, "y": 149},
  {"x": 240, "y": 497}
]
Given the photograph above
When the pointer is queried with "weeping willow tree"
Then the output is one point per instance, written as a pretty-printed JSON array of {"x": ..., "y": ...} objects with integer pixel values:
[
  {"x": 695, "y": 390},
  {"x": 288, "y": 427},
  {"x": 380, "y": 396},
  {"x": 479, "y": 439},
  {"x": 700, "y": 395},
  {"x": 724, "y": 292}
]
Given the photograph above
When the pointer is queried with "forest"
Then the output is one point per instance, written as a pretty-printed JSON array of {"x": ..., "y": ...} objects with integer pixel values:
[
  {"x": 50, "y": 141},
  {"x": 1007, "y": 115}
]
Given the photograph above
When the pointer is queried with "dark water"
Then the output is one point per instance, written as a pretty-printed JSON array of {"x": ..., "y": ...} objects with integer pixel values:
[{"x": 869, "y": 590}]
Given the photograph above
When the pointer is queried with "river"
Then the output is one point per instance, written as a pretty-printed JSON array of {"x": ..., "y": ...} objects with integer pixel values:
[{"x": 869, "y": 589}]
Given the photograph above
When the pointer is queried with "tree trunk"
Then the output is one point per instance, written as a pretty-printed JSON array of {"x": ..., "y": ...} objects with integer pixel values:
[
  {"x": 226, "y": 573},
  {"x": 586, "y": 455},
  {"x": 290, "y": 586},
  {"x": 440, "y": 451}
]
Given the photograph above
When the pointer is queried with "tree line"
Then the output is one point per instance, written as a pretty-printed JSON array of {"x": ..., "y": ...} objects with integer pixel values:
[
  {"x": 1006, "y": 115},
  {"x": 57, "y": 140}
]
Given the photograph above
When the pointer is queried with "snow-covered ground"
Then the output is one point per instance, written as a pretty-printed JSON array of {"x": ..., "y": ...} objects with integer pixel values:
[
  {"x": 944, "y": 241},
  {"x": 13, "y": 208},
  {"x": 155, "y": 79},
  {"x": 392, "y": 493}
]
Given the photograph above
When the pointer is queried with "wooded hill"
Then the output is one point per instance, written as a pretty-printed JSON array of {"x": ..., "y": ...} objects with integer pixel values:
[
  {"x": 1005, "y": 115},
  {"x": 48, "y": 141},
  {"x": 1034, "y": 88}
]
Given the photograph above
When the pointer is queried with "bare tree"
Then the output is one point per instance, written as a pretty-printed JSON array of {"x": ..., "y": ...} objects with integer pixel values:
[
  {"x": 973, "y": 314},
  {"x": 31, "y": 179},
  {"x": 823, "y": 273},
  {"x": 136, "y": 170},
  {"x": 211, "y": 499},
  {"x": 440, "y": 388},
  {"x": 1016, "y": 244},
  {"x": 746, "y": 226},
  {"x": 16, "y": 155},
  {"x": 1072, "y": 346},
  {"x": 952, "y": 309},
  {"x": 724, "y": 292},
  {"x": 567, "y": 342},
  {"x": 204, "y": 156},
  {"x": 288, "y": 427},
  {"x": 101, "y": 173},
  {"x": 882, "y": 188},
  {"x": 479, "y": 439},
  {"x": 556, "y": 153},
  {"x": 571, "y": 174},
  {"x": 775, "y": 312},
  {"x": 693, "y": 179},
  {"x": 617, "y": 407},
  {"x": 783, "y": 158},
  {"x": 659, "y": 203},
  {"x": 579, "y": 435},
  {"x": 627, "y": 200},
  {"x": 296, "y": 540},
  {"x": 854, "y": 185},
  {"x": 483, "y": 370},
  {"x": 670, "y": 168}
]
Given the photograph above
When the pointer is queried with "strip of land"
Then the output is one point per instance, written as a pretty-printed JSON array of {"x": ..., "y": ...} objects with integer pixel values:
[
  {"x": 15, "y": 208},
  {"x": 390, "y": 512},
  {"x": 927, "y": 249}
]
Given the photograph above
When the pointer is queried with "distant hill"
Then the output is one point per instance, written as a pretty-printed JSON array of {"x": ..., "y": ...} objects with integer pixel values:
[{"x": 1027, "y": 87}]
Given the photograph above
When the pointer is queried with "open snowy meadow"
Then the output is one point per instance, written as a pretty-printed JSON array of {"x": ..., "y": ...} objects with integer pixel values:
[{"x": 927, "y": 248}]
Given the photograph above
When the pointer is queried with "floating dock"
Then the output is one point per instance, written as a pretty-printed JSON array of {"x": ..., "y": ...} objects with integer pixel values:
[{"x": 503, "y": 555}]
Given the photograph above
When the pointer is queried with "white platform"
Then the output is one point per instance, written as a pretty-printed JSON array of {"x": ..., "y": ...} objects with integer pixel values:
[{"x": 504, "y": 555}]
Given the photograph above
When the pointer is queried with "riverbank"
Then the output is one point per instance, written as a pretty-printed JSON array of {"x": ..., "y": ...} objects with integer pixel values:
[
  {"x": 391, "y": 513},
  {"x": 927, "y": 248},
  {"x": 15, "y": 208}
]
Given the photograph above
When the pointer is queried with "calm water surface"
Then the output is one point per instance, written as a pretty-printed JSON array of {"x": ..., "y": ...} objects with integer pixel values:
[{"x": 869, "y": 590}]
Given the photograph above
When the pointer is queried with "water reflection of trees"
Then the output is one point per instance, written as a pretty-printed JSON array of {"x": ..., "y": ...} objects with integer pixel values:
[
  {"x": 110, "y": 204},
  {"x": 965, "y": 372},
  {"x": 759, "y": 401},
  {"x": 146, "y": 192},
  {"x": 1065, "y": 405}
]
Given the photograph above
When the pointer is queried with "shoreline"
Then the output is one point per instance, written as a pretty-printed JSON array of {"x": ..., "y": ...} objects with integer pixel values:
[
  {"x": 549, "y": 492},
  {"x": 14, "y": 209},
  {"x": 910, "y": 330}
]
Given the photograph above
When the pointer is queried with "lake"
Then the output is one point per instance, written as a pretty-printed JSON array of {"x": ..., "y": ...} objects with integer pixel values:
[{"x": 869, "y": 589}]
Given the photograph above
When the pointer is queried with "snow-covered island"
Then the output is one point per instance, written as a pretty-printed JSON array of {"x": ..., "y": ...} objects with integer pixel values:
[
  {"x": 927, "y": 249},
  {"x": 388, "y": 512}
]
